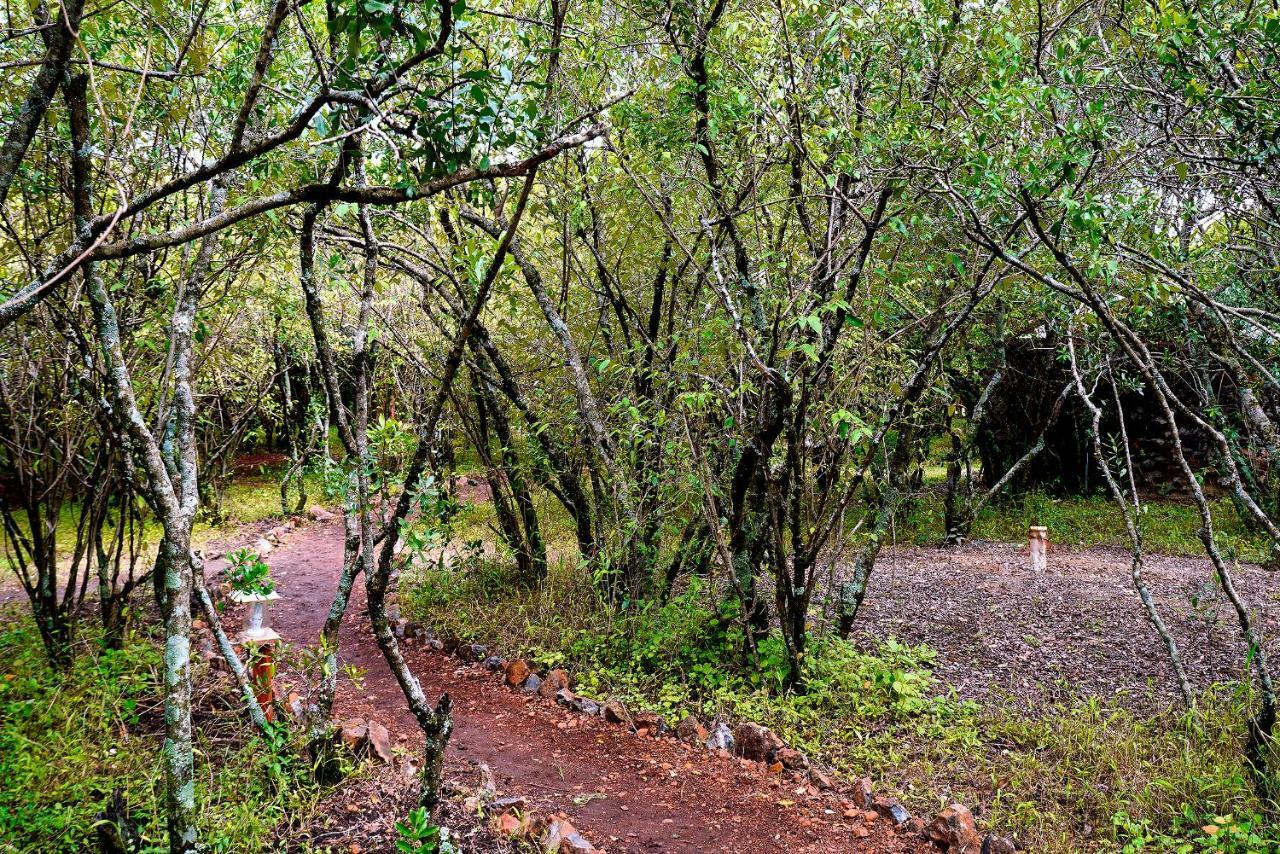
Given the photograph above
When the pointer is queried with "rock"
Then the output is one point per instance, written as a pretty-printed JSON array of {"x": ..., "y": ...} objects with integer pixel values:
[
  {"x": 648, "y": 723},
  {"x": 557, "y": 680},
  {"x": 510, "y": 802},
  {"x": 820, "y": 779},
  {"x": 435, "y": 644},
  {"x": 532, "y": 685},
  {"x": 570, "y": 700},
  {"x": 953, "y": 829},
  {"x": 473, "y": 652},
  {"x": 393, "y": 613},
  {"x": 278, "y": 533},
  {"x": 380, "y": 741},
  {"x": 891, "y": 809},
  {"x": 754, "y": 742},
  {"x": 721, "y": 738},
  {"x": 574, "y": 843},
  {"x": 792, "y": 759},
  {"x": 563, "y": 838},
  {"x": 914, "y": 825},
  {"x": 399, "y": 628},
  {"x": 495, "y": 663},
  {"x": 863, "y": 794},
  {"x": 508, "y": 824},
  {"x": 413, "y": 629},
  {"x": 488, "y": 788},
  {"x": 262, "y": 547},
  {"x": 998, "y": 845},
  {"x": 517, "y": 672},
  {"x": 615, "y": 712},
  {"x": 691, "y": 730},
  {"x": 319, "y": 514},
  {"x": 354, "y": 733}
]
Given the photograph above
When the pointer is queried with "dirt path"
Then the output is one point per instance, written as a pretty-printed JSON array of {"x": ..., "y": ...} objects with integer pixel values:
[{"x": 625, "y": 792}]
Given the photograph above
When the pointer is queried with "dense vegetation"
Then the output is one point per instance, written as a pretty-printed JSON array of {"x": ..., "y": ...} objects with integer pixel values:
[{"x": 716, "y": 299}]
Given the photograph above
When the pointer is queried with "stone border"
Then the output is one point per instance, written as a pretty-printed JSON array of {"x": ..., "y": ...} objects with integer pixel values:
[{"x": 952, "y": 829}]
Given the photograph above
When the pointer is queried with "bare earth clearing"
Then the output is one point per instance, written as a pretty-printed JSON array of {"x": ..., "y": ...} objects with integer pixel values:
[{"x": 1001, "y": 631}]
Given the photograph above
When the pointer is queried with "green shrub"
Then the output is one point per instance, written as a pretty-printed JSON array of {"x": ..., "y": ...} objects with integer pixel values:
[{"x": 69, "y": 741}]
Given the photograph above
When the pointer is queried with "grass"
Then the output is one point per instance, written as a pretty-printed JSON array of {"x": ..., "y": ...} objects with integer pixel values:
[
  {"x": 1083, "y": 775},
  {"x": 68, "y": 742},
  {"x": 1168, "y": 526},
  {"x": 249, "y": 499}
]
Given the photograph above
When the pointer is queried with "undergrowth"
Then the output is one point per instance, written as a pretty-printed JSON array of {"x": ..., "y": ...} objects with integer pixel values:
[
  {"x": 70, "y": 742},
  {"x": 1082, "y": 775}
]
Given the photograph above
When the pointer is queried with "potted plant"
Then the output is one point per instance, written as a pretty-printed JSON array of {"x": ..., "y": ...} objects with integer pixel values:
[{"x": 252, "y": 586}]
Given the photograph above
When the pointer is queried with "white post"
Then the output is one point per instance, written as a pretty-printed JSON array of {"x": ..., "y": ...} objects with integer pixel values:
[{"x": 1038, "y": 541}]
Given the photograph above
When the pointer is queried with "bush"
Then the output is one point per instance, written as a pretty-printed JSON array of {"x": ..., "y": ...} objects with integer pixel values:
[{"x": 70, "y": 742}]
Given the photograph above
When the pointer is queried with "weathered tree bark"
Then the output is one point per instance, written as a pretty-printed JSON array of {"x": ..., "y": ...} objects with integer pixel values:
[
  {"x": 59, "y": 44},
  {"x": 172, "y": 481},
  {"x": 353, "y": 433},
  {"x": 517, "y": 517},
  {"x": 603, "y": 451}
]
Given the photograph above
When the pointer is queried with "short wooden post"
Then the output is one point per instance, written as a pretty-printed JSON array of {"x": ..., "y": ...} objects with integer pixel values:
[{"x": 1038, "y": 541}]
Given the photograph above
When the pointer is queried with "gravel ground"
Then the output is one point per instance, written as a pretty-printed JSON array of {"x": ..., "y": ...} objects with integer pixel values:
[{"x": 1003, "y": 632}]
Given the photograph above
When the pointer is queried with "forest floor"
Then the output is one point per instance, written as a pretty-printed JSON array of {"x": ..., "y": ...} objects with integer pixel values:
[{"x": 624, "y": 792}]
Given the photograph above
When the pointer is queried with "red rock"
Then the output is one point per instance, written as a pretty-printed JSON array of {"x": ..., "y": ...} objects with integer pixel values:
[
  {"x": 615, "y": 712},
  {"x": 509, "y": 824},
  {"x": 380, "y": 741},
  {"x": 863, "y": 794},
  {"x": 557, "y": 680},
  {"x": 953, "y": 830},
  {"x": 821, "y": 780},
  {"x": 354, "y": 733},
  {"x": 754, "y": 742},
  {"x": 563, "y": 838},
  {"x": 998, "y": 845},
  {"x": 648, "y": 723},
  {"x": 319, "y": 514},
  {"x": 792, "y": 759},
  {"x": 691, "y": 730},
  {"x": 517, "y": 672}
]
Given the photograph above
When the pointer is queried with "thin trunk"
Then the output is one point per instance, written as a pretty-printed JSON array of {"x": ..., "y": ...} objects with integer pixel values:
[
  {"x": 1128, "y": 510},
  {"x": 228, "y": 651}
]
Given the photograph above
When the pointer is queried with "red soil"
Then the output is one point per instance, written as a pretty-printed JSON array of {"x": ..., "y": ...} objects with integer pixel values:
[{"x": 624, "y": 792}]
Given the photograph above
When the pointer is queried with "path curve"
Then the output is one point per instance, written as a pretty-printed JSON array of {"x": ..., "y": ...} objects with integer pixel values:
[{"x": 625, "y": 792}]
